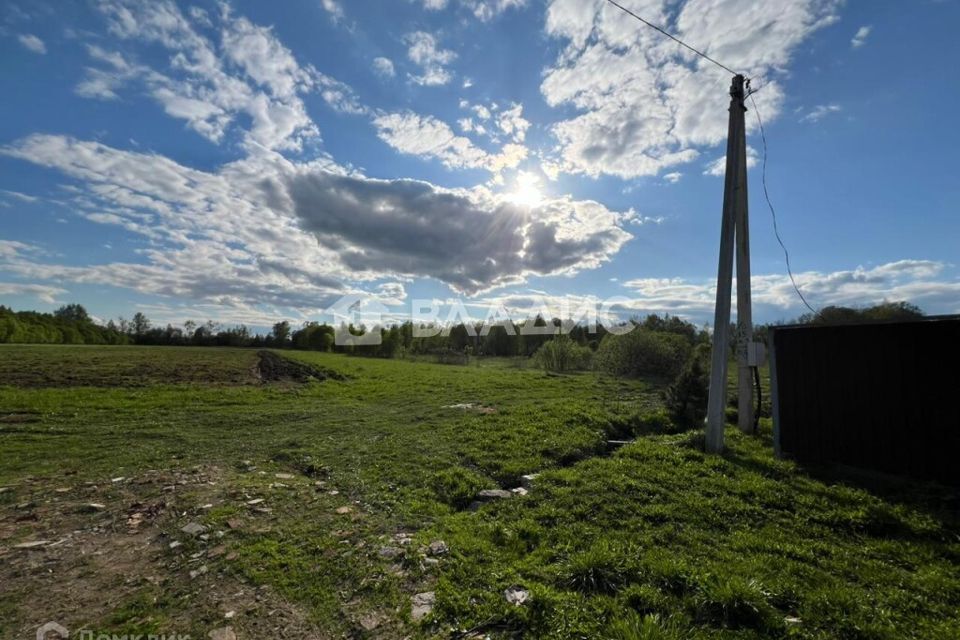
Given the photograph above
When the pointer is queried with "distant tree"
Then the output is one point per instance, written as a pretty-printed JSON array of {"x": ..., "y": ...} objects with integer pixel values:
[
  {"x": 886, "y": 311},
  {"x": 459, "y": 337},
  {"x": 72, "y": 313},
  {"x": 140, "y": 324},
  {"x": 893, "y": 311},
  {"x": 281, "y": 333}
]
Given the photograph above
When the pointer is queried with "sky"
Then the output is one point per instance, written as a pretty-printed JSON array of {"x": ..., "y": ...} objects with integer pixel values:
[{"x": 249, "y": 162}]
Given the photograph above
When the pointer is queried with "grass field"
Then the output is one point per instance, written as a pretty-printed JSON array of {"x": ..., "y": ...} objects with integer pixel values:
[{"x": 323, "y": 504}]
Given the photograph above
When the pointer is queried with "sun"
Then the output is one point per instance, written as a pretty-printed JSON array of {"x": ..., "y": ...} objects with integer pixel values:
[{"x": 526, "y": 190}]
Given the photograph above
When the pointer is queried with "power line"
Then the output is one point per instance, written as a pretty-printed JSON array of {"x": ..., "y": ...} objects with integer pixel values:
[
  {"x": 763, "y": 136},
  {"x": 674, "y": 38},
  {"x": 773, "y": 213}
]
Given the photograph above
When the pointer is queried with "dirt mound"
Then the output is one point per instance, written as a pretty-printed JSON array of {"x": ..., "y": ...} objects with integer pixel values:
[{"x": 276, "y": 368}]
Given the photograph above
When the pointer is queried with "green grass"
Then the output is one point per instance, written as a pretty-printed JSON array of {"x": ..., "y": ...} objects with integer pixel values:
[{"x": 656, "y": 540}]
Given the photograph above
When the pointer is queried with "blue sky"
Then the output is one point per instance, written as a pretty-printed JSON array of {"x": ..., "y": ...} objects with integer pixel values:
[{"x": 250, "y": 162}]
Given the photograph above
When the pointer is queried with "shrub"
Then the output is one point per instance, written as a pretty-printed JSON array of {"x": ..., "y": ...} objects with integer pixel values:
[
  {"x": 562, "y": 354},
  {"x": 642, "y": 352},
  {"x": 686, "y": 398}
]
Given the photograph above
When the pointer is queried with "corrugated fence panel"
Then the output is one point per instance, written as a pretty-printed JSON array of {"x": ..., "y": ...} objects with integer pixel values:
[{"x": 881, "y": 396}]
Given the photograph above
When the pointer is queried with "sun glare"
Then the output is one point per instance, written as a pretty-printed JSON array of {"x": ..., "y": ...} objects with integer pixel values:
[{"x": 526, "y": 190}]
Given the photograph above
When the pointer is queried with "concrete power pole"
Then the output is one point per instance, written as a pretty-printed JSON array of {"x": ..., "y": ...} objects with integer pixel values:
[{"x": 734, "y": 225}]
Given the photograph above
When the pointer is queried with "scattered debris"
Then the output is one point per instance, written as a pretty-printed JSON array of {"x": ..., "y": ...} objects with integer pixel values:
[
  {"x": 422, "y": 605},
  {"x": 175, "y": 544},
  {"x": 470, "y": 406},
  {"x": 223, "y": 633},
  {"x": 519, "y": 491},
  {"x": 198, "y": 572},
  {"x": 516, "y": 595},
  {"x": 93, "y": 506},
  {"x": 438, "y": 548},
  {"x": 389, "y": 553},
  {"x": 792, "y": 620},
  {"x": 344, "y": 510},
  {"x": 117, "y": 479},
  {"x": 403, "y": 539},
  {"x": 139, "y": 512},
  {"x": 32, "y": 545},
  {"x": 229, "y": 614},
  {"x": 493, "y": 494},
  {"x": 217, "y": 551},
  {"x": 370, "y": 621},
  {"x": 234, "y": 523},
  {"x": 254, "y": 502},
  {"x": 284, "y": 476},
  {"x": 527, "y": 481},
  {"x": 193, "y": 528}
]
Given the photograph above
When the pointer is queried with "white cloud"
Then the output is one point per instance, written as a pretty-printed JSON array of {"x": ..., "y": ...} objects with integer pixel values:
[
  {"x": 506, "y": 121},
  {"x": 207, "y": 85},
  {"x": 921, "y": 282},
  {"x": 424, "y": 51},
  {"x": 265, "y": 230},
  {"x": 719, "y": 166},
  {"x": 484, "y": 10},
  {"x": 674, "y": 176},
  {"x": 820, "y": 111},
  {"x": 512, "y": 123},
  {"x": 860, "y": 37},
  {"x": 384, "y": 67},
  {"x": 32, "y": 43},
  {"x": 22, "y": 197},
  {"x": 637, "y": 219},
  {"x": 428, "y": 137},
  {"x": 102, "y": 82},
  {"x": 487, "y": 10},
  {"x": 333, "y": 8},
  {"x": 41, "y": 292},
  {"x": 647, "y": 105}
]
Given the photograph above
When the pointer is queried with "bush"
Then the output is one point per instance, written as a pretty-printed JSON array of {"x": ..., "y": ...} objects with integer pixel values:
[
  {"x": 686, "y": 398},
  {"x": 642, "y": 353},
  {"x": 562, "y": 354}
]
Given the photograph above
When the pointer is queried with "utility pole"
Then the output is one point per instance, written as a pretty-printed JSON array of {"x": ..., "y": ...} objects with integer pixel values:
[
  {"x": 733, "y": 226},
  {"x": 744, "y": 305}
]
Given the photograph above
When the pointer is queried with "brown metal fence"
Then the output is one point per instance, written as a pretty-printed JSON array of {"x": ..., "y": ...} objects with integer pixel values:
[{"x": 879, "y": 396}]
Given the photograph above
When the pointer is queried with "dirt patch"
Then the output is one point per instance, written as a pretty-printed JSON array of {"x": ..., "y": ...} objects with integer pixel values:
[
  {"x": 114, "y": 556},
  {"x": 275, "y": 368}
]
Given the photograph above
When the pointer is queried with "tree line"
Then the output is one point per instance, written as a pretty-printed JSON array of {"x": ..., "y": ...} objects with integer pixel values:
[{"x": 71, "y": 324}]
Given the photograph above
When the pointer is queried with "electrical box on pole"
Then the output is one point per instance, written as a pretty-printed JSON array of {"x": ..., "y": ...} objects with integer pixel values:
[{"x": 734, "y": 238}]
